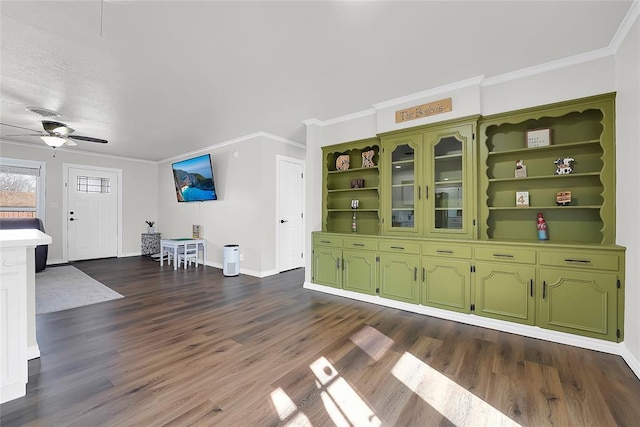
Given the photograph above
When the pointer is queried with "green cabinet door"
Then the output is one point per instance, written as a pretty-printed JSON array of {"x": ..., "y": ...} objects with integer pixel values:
[
  {"x": 399, "y": 277},
  {"x": 360, "y": 271},
  {"x": 327, "y": 266},
  {"x": 446, "y": 284},
  {"x": 505, "y": 291},
  {"x": 583, "y": 303}
]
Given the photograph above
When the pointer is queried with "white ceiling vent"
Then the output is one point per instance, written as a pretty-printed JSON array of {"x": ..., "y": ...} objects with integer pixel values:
[{"x": 43, "y": 112}]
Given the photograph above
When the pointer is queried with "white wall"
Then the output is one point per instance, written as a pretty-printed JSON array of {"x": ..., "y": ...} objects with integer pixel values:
[
  {"x": 628, "y": 179},
  {"x": 245, "y": 212},
  {"x": 139, "y": 198}
]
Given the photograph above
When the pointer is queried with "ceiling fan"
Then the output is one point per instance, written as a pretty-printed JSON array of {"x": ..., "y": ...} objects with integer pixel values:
[{"x": 55, "y": 134}]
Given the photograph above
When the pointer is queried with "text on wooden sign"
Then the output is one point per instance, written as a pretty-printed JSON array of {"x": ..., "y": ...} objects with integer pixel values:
[{"x": 424, "y": 110}]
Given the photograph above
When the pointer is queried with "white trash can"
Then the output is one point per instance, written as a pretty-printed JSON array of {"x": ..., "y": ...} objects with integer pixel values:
[{"x": 231, "y": 260}]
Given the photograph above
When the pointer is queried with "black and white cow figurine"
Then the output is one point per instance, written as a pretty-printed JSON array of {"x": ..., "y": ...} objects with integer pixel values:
[{"x": 564, "y": 165}]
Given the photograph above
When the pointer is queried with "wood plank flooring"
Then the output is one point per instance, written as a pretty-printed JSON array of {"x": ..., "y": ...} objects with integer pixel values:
[{"x": 192, "y": 347}]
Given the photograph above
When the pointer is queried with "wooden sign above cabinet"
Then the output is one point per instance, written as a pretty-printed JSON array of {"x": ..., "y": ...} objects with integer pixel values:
[{"x": 424, "y": 110}]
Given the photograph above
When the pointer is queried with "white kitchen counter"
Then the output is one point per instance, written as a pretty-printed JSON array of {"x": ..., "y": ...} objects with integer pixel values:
[
  {"x": 17, "y": 308},
  {"x": 23, "y": 238}
]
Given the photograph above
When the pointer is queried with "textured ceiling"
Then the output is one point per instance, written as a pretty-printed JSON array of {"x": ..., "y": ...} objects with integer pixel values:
[{"x": 160, "y": 78}]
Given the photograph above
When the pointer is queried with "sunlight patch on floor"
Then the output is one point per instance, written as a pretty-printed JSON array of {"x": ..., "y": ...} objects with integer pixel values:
[
  {"x": 372, "y": 342},
  {"x": 285, "y": 407},
  {"x": 342, "y": 402},
  {"x": 454, "y": 402}
]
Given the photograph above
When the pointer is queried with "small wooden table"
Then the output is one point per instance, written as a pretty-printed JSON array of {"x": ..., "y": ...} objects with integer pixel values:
[{"x": 173, "y": 245}]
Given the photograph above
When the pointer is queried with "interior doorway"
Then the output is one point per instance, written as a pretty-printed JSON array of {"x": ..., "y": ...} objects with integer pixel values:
[
  {"x": 92, "y": 212},
  {"x": 289, "y": 213}
]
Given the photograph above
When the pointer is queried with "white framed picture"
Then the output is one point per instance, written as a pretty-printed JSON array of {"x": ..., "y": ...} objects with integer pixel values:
[{"x": 538, "y": 138}]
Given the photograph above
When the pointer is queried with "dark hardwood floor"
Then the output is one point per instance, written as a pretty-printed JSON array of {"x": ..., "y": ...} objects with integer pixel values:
[{"x": 197, "y": 348}]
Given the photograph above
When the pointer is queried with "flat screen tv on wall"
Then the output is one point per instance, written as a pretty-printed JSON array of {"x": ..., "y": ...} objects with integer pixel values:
[{"x": 193, "y": 179}]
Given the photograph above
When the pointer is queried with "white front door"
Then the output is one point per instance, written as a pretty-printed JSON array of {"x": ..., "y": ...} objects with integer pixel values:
[
  {"x": 290, "y": 213},
  {"x": 92, "y": 213}
]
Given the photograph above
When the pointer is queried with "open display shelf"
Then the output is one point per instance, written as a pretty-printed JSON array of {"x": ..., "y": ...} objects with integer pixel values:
[
  {"x": 338, "y": 191},
  {"x": 582, "y": 130}
]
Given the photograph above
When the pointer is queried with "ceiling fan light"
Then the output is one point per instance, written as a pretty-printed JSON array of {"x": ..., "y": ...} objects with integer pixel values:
[{"x": 53, "y": 141}]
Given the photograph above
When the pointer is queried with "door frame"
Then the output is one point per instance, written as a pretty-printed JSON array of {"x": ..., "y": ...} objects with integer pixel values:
[
  {"x": 279, "y": 158},
  {"x": 65, "y": 195}
]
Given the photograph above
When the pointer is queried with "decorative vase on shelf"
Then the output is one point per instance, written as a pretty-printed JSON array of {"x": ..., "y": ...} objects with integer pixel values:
[
  {"x": 151, "y": 230},
  {"x": 543, "y": 232}
]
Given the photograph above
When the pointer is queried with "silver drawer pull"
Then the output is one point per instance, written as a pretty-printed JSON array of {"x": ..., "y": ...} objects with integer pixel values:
[
  {"x": 441, "y": 251},
  {"x": 578, "y": 261},
  {"x": 325, "y": 241},
  {"x": 503, "y": 255},
  {"x": 397, "y": 247},
  {"x": 358, "y": 244}
]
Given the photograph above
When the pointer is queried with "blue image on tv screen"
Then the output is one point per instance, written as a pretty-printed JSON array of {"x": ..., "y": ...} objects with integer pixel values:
[{"x": 193, "y": 179}]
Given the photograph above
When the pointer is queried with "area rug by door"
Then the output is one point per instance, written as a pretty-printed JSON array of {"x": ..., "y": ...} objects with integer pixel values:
[{"x": 64, "y": 287}]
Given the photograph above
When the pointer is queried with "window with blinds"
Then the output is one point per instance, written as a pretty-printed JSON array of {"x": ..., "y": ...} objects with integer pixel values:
[{"x": 21, "y": 189}]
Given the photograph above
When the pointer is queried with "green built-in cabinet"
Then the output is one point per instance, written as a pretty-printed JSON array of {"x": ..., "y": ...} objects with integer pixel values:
[{"x": 437, "y": 223}]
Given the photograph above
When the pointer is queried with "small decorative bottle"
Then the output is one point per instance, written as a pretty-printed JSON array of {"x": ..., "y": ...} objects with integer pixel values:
[{"x": 543, "y": 232}]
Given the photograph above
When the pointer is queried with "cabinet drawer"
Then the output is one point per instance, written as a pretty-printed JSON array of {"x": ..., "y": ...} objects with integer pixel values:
[
  {"x": 12, "y": 260},
  {"x": 524, "y": 256},
  {"x": 327, "y": 241},
  {"x": 353, "y": 243},
  {"x": 400, "y": 247},
  {"x": 445, "y": 250},
  {"x": 580, "y": 260}
]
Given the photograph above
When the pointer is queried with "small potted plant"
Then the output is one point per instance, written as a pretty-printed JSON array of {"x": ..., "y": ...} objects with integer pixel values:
[{"x": 151, "y": 228}]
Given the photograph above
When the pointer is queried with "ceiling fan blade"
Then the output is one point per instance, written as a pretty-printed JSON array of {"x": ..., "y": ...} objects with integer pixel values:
[
  {"x": 87, "y": 138},
  {"x": 56, "y": 127},
  {"x": 70, "y": 143},
  {"x": 20, "y": 127},
  {"x": 27, "y": 134}
]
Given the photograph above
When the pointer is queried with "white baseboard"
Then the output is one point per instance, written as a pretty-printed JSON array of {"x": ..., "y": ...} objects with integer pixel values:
[
  {"x": 33, "y": 352},
  {"x": 259, "y": 274},
  {"x": 631, "y": 360},
  {"x": 500, "y": 325},
  {"x": 12, "y": 391}
]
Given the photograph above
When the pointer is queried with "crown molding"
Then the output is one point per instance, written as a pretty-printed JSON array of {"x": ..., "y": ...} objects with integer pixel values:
[
  {"x": 548, "y": 66},
  {"x": 340, "y": 119},
  {"x": 624, "y": 28},
  {"x": 235, "y": 141},
  {"x": 76, "y": 151}
]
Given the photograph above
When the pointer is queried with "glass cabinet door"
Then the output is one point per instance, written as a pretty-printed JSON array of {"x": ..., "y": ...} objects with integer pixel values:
[
  {"x": 402, "y": 187},
  {"x": 401, "y": 171},
  {"x": 447, "y": 184}
]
